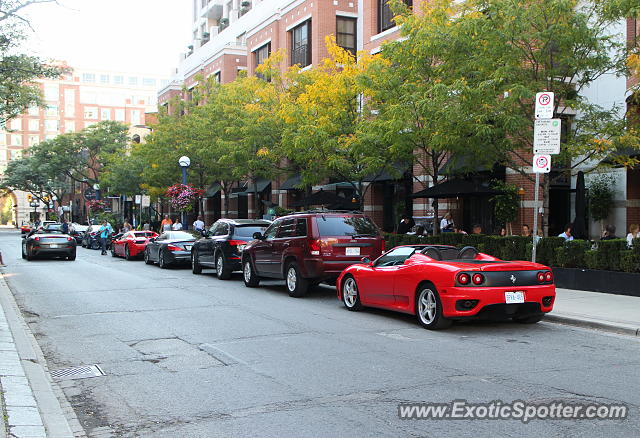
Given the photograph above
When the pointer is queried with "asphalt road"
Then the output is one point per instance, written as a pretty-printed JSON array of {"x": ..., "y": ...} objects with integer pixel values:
[{"x": 193, "y": 356}]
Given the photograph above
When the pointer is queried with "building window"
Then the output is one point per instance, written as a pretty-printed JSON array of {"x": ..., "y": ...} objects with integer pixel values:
[
  {"x": 70, "y": 110},
  {"x": 52, "y": 111},
  {"x": 104, "y": 79},
  {"x": 51, "y": 125},
  {"x": 385, "y": 14},
  {"x": 50, "y": 136},
  {"x": 34, "y": 140},
  {"x": 217, "y": 77},
  {"x": 88, "y": 77},
  {"x": 120, "y": 115},
  {"x": 118, "y": 80},
  {"x": 261, "y": 56},
  {"x": 69, "y": 126},
  {"x": 16, "y": 124},
  {"x": 15, "y": 154},
  {"x": 105, "y": 114},
  {"x": 34, "y": 111},
  {"x": 16, "y": 140},
  {"x": 301, "y": 45},
  {"x": 3, "y": 138},
  {"x": 89, "y": 124},
  {"x": 135, "y": 117},
  {"x": 148, "y": 82},
  {"x": 51, "y": 92},
  {"x": 90, "y": 112},
  {"x": 133, "y": 80},
  {"x": 346, "y": 33},
  {"x": 34, "y": 125}
]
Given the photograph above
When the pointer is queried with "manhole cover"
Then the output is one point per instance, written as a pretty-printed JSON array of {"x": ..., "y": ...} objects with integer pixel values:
[{"x": 83, "y": 372}]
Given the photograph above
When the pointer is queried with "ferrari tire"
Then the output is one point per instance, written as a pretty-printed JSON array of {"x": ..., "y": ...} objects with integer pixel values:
[
  {"x": 297, "y": 286},
  {"x": 147, "y": 258},
  {"x": 95, "y": 245},
  {"x": 29, "y": 256},
  {"x": 350, "y": 294},
  {"x": 429, "y": 308},
  {"x": 222, "y": 271},
  {"x": 127, "y": 254},
  {"x": 71, "y": 257},
  {"x": 249, "y": 275},
  {"x": 24, "y": 256},
  {"x": 113, "y": 252},
  {"x": 530, "y": 319},
  {"x": 162, "y": 263},
  {"x": 196, "y": 267}
]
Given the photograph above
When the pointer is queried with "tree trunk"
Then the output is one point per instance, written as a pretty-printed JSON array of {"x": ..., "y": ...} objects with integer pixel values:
[{"x": 226, "y": 202}]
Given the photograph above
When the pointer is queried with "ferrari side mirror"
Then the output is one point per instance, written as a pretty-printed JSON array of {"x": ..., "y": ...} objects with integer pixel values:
[{"x": 366, "y": 260}]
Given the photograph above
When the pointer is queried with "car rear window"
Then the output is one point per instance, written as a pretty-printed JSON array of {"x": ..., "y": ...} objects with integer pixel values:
[
  {"x": 247, "y": 231},
  {"x": 345, "y": 226}
]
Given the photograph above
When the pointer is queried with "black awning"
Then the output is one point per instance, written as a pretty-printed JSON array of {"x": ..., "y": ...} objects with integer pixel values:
[
  {"x": 462, "y": 164},
  {"x": 261, "y": 183},
  {"x": 212, "y": 190},
  {"x": 327, "y": 198},
  {"x": 292, "y": 183},
  {"x": 457, "y": 188},
  {"x": 391, "y": 174},
  {"x": 614, "y": 157}
]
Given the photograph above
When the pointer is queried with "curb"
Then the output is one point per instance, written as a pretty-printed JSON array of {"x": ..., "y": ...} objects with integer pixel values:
[
  {"x": 35, "y": 368},
  {"x": 611, "y": 327}
]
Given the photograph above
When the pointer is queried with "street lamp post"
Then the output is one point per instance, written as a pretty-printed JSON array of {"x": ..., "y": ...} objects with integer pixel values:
[{"x": 184, "y": 163}]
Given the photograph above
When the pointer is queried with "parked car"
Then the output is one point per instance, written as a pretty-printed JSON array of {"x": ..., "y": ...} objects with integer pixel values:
[
  {"x": 309, "y": 248},
  {"x": 440, "y": 283},
  {"x": 50, "y": 242},
  {"x": 78, "y": 232},
  {"x": 25, "y": 228},
  {"x": 131, "y": 245},
  {"x": 170, "y": 248},
  {"x": 91, "y": 239},
  {"x": 222, "y": 245}
]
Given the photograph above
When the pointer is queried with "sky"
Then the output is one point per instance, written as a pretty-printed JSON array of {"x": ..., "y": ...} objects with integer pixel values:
[{"x": 133, "y": 36}]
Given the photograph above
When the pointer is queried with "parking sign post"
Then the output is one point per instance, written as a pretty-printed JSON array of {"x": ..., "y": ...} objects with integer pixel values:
[{"x": 541, "y": 164}]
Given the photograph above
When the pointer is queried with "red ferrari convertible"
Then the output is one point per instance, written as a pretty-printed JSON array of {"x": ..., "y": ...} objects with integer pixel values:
[
  {"x": 439, "y": 284},
  {"x": 131, "y": 245}
]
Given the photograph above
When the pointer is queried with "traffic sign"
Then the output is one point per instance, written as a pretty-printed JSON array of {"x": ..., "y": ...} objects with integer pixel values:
[
  {"x": 542, "y": 163},
  {"x": 546, "y": 136},
  {"x": 544, "y": 105},
  {"x": 146, "y": 201}
]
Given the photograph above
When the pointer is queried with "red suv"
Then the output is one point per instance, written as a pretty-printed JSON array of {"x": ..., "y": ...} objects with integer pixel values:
[{"x": 309, "y": 248}]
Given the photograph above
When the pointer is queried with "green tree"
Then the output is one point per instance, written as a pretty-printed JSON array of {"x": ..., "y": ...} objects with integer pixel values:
[
  {"x": 18, "y": 71},
  {"x": 600, "y": 195}
]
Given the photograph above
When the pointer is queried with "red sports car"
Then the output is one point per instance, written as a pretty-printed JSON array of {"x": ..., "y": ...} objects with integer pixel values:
[
  {"x": 131, "y": 245},
  {"x": 439, "y": 284}
]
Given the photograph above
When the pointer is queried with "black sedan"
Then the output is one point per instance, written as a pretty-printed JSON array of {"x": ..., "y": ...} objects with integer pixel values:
[
  {"x": 170, "y": 248},
  {"x": 222, "y": 245},
  {"x": 50, "y": 242}
]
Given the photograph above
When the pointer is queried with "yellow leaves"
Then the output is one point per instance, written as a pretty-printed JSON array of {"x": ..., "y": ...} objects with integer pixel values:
[
  {"x": 154, "y": 165},
  {"x": 263, "y": 152},
  {"x": 633, "y": 62}
]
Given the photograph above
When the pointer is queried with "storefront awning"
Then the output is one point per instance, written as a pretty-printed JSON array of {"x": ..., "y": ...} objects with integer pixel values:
[
  {"x": 292, "y": 183},
  {"x": 212, "y": 190},
  {"x": 457, "y": 189}
]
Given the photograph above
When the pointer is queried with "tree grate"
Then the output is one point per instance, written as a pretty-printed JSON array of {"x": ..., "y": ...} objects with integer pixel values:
[{"x": 81, "y": 372}]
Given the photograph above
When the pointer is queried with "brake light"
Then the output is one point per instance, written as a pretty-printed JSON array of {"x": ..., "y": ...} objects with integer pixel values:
[
  {"x": 464, "y": 278},
  {"x": 70, "y": 239},
  {"x": 314, "y": 246},
  {"x": 548, "y": 276},
  {"x": 540, "y": 277},
  {"x": 477, "y": 279},
  {"x": 240, "y": 244},
  {"x": 173, "y": 248},
  {"x": 36, "y": 238}
]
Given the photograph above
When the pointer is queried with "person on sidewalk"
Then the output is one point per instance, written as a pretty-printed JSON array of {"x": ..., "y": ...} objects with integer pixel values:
[
  {"x": 166, "y": 223},
  {"x": 177, "y": 225},
  {"x": 526, "y": 231},
  {"x": 105, "y": 231},
  {"x": 634, "y": 233},
  {"x": 65, "y": 227},
  {"x": 446, "y": 224},
  {"x": 566, "y": 234},
  {"x": 609, "y": 233},
  {"x": 198, "y": 225}
]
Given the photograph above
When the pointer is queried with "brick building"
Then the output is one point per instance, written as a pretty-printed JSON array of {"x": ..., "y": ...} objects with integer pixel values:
[
  {"x": 231, "y": 35},
  {"x": 75, "y": 101}
]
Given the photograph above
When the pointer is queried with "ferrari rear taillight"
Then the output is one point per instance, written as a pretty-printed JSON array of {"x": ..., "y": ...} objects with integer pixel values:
[
  {"x": 548, "y": 276},
  {"x": 174, "y": 248},
  {"x": 464, "y": 279},
  {"x": 37, "y": 238},
  {"x": 314, "y": 246},
  {"x": 540, "y": 277},
  {"x": 477, "y": 279},
  {"x": 70, "y": 239}
]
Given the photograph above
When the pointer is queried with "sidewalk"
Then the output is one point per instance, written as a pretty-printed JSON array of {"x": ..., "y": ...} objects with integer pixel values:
[{"x": 614, "y": 313}]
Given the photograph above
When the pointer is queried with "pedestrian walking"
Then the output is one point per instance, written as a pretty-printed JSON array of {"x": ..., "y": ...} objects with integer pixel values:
[
  {"x": 634, "y": 233},
  {"x": 198, "y": 225},
  {"x": 177, "y": 225},
  {"x": 104, "y": 232},
  {"x": 166, "y": 223}
]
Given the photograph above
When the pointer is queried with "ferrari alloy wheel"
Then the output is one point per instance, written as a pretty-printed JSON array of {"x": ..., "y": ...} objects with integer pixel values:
[
  {"x": 249, "y": 275},
  {"x": 162, "y": 263},
  {"x": 350, "y": 295},
  {"x": 127, "y": 255},
  {"x": 147, "y": 257},
  {"x": 196, "y": 267},
  {"x": 221, "y": 268},
  {"x": 24, "y": 255},
  {"x": 297, "y": 285},
  {"x": 429, "y": 309}
]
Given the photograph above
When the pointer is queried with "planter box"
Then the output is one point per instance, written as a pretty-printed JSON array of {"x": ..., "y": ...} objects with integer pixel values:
[{"x": 611, "y": 282}]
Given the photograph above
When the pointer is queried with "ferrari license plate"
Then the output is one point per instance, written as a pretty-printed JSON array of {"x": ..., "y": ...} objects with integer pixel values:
[
  {"x": 514, "y": 297},
  {"x": 352, "y": 250}
]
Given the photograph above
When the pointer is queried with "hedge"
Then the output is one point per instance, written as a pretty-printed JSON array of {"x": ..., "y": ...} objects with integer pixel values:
[{"x": 613, "y": 255}]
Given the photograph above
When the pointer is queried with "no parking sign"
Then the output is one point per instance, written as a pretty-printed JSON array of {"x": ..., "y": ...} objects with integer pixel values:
[{"x": 541, "y": 163}]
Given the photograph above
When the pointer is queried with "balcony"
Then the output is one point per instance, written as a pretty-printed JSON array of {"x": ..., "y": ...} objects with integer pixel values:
[{"x": 213, "y": 10}]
